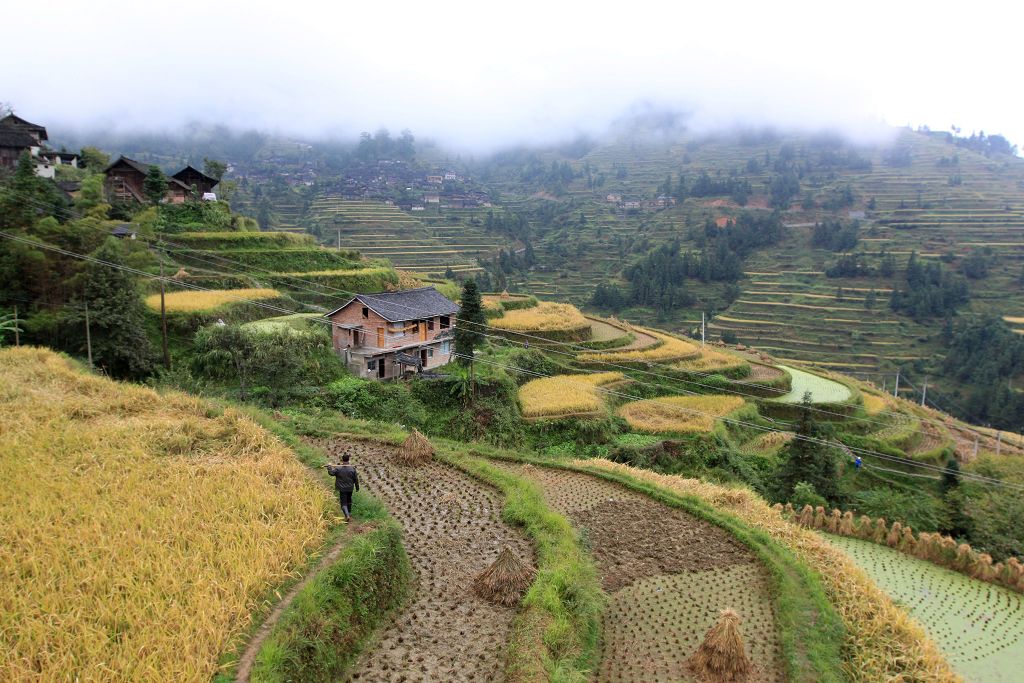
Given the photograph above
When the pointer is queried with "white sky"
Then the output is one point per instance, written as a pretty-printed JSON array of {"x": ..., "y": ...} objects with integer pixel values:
[{"x": 484, "y": 74}]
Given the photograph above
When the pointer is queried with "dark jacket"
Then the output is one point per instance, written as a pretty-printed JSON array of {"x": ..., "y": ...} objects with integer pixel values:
[{"x": 345, "y": 477}]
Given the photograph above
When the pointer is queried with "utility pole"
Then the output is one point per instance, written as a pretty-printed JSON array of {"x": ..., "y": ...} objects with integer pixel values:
[
  {"x": 975, "y": 445},
  {"x": 17, "y": 337},
  {"x": 999, "y": 442},
  {"x": 88, "y": 336},
  {"x": 702, "y": 329},
  {"x": 896, "y": 390},
  {"x": 924, "y": 392},
  {"x": 163, "y": 316},
  {"x": 339, "y": 239}
]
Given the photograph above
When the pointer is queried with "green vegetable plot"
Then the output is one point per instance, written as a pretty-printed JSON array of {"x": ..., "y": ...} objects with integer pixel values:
[
  {"x": 822, "y": 390},
  {"x": 979, "y": 626}
]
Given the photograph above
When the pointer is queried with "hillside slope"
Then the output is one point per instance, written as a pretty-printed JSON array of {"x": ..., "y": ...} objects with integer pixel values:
[{"x": 140, "y": 529}]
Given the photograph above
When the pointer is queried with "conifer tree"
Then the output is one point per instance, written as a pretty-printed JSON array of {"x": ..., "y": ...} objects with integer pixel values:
[
  {"x": 470, "y": 325},
  {"x": 155, "y": 185},
  {"x": 116, "y": 315},
  {"x": 808, "y": 458}
]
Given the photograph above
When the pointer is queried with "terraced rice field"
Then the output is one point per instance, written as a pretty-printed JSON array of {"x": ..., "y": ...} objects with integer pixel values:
[
  {"x": 546, "y": 316},
  {"x": 197, "y": 301},
  {"x": 408, "y": 241},
  {"x": 140, "y": 530},
  {"x": 566, "y": 395},
  {"x": 452, "y": 531},
  {"x": 667, "y": 348},
  {"x": 979, "y": 626},
  {"x": 678, "y": 414},
  {"x": 668, "y": 576},
  {"x": 823, "y": 390}
]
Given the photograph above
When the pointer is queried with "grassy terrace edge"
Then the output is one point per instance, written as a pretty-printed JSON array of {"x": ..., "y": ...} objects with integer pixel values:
[
  {"x": 811, "y": 631},
  {"x": 333, "y": 618}
]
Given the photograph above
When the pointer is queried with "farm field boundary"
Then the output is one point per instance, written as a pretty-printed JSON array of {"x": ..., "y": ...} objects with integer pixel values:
[{"x": 879, "y": 641}]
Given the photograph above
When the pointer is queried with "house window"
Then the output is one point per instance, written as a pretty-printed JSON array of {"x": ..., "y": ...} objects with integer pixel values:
[
  {"x": 445, "y": 322},
  {"x": 430, "y": 353},
  {"x": 430, "y": 324},
  {"x": 371, "y": 365},
  {"x": 366, "y": 312},
  {"x": 446, "y": 348}
]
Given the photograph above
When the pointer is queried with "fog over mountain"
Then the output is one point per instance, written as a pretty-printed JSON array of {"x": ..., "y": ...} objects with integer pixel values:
[{"x": 478, "y": 77}]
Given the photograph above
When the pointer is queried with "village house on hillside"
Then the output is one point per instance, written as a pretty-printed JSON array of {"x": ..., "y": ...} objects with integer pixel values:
[
  {"x": 18, "y": 136},
  {"x": 126, "y": 177},
  {"x": 388, "y": 334}
]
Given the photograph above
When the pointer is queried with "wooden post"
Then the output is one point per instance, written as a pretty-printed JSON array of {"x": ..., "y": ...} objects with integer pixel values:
[
  {"x": 163, "y": 317},
  {"x": 17, "y": 336},
  {"x": 88, "y": 336}
]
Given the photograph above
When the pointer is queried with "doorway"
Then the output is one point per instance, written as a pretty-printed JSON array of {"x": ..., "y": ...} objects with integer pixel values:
[{"x": 380, "y": 367}]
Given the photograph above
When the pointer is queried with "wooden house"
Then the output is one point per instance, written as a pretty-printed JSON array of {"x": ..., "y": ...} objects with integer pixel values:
[
  {"x": 190, "y": 176},
  {"x": 13, "y": 143},
  {"x": 37, "y": 132},
  {"x": 388, "y": 334},
  {"x": 126, "y": 177}
]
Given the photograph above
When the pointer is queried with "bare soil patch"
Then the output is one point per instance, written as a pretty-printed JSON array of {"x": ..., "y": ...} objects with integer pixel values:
[
  {"x": 452, "y": 532},
  {"x": 668, "y": 574}
]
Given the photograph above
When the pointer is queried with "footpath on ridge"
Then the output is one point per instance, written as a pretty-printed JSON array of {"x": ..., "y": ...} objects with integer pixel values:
[{"x": 452, "y": 530}]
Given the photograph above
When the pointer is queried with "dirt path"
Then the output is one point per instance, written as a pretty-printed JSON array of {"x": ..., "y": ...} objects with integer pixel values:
[
  {"x": 668, "y": 576},
  {"x": 452, "y": 531},
  {"x": 248, "y": 659}
]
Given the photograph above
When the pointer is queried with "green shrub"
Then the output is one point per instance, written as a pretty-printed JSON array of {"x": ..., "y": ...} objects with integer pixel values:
[{"x": 805, "y": 494}]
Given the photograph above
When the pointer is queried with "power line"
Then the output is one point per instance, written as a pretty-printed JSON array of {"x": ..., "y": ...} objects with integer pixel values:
[
  {"x": 906, "y": 462},
  {"x": 546, "y": 342},
  {"x": 821, "y": 442}
]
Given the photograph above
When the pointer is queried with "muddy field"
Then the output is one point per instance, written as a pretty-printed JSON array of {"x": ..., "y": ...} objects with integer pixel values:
[
  {"x": 668, "y": 576},
  {"x": 452, "y": 531}
]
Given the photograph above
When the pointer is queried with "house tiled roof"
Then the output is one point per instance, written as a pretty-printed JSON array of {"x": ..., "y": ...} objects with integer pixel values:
[
  {"x": 409, "y": 304},
  {"x": 131, "y": 163},
  {"x": 15, "y": 137},
  {"x": 185, "y": 171},
  {"x": 12, "y": 121}
]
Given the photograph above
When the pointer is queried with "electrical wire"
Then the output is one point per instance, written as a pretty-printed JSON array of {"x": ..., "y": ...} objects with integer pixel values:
[
  {"x": 906, "y": 462},
  {"x": 545, "y": 342}
]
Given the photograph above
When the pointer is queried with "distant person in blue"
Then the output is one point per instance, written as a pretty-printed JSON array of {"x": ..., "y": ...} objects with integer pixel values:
[
  {"x": 857, "y": 462},
  {"x": 346, "y": 480}
]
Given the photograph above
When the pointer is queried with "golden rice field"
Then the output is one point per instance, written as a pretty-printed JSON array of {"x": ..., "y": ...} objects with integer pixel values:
[
  {"x": 139, "y": 530},
  {"x": 196, "y": 301},
  {"x": 710, "y": 360},
  {"x": 1013, "y": 320},
  {"x": 669, "y": 348},
  {"x": 546, "y": 316},
  {"x": 768, "y": 442},
  {"x": 678, "y": 413},
  {"x": 873, "y": 404},
  {"x": 883, "y": 642},
  {"x": 350, "y": 272},
  {"x": 565, "y": 394}
]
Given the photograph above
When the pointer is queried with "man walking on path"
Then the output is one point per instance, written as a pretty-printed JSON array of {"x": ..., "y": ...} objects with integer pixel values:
[{"x": 346, "y": 480}]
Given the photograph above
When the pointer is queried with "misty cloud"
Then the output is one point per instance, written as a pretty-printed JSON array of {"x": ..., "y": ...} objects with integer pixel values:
[{"x": 478, "y": 75}]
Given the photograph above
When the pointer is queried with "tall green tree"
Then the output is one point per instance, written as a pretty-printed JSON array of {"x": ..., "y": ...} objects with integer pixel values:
[
  {"x": 94, "y": 159},
  {"x": 214, "y": 169},
  {"x": 808, "y": 459},
  {"x": 25, "y": 196},
  {"x": 155, "y": 185},
  {"x": 116, "y": 315},
  {"x": 471, "y": 322}
]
